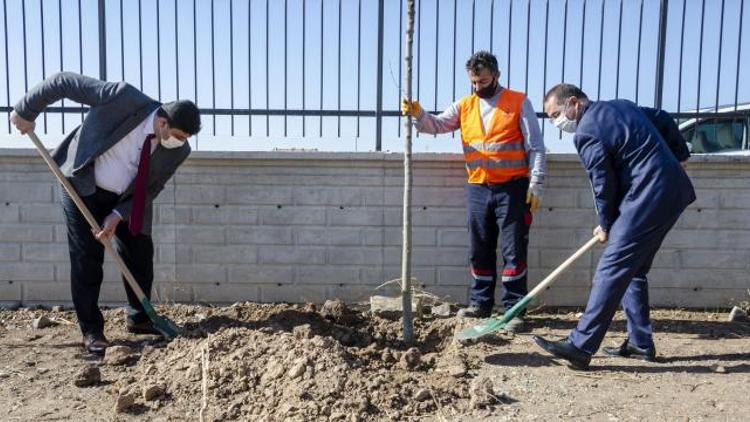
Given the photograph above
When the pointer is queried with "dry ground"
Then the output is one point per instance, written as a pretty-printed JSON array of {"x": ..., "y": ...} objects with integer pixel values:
[{"x": 298, "y": 362}]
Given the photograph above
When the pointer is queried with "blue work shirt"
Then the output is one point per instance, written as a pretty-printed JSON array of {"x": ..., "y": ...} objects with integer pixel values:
[{"x": 632, "y": 156}]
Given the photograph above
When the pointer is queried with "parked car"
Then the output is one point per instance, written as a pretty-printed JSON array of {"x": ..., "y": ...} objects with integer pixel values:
[{"x": 722, "y": 135}]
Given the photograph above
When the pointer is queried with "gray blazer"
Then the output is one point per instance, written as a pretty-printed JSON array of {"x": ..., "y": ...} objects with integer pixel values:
[{"x": 116, "y": 108}]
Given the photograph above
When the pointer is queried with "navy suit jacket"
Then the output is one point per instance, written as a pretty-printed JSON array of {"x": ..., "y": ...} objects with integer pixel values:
[{"x": 632, "y": 156}]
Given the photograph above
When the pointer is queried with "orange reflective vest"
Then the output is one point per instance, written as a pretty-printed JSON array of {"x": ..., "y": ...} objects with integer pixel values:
[{"x": 496, "y": 155}]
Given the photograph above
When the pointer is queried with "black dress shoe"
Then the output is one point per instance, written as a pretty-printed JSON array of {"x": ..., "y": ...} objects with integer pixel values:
[
  {"x": 95, "y": 343},
  {"x": 474, "y": 311},
  {"x": 146, "y": 327},
  {"x": 566, "y": 350},
  {"x": 627, "y": 350}
]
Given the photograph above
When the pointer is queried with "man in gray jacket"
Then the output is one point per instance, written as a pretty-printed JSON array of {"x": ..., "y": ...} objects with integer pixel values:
[{"x": 118, "y": 160}]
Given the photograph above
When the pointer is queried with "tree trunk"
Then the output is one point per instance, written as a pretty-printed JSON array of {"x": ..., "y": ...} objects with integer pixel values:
[{"x": 406, "y": 246}]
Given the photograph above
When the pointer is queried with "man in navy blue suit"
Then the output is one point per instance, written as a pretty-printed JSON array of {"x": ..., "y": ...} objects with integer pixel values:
[{"x": 635, "y": 158}]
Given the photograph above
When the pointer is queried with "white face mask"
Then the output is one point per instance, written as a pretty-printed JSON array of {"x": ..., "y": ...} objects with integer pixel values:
[
  {"x": 563, "y": 123},
  {"x": 172, "y": 143}
]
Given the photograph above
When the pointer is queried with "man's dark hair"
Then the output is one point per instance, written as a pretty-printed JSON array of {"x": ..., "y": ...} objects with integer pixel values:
[
  {"x": 183, "y": 115},
  {"x": 482, "y": 60},
  {"x": 563, "y": 91}
]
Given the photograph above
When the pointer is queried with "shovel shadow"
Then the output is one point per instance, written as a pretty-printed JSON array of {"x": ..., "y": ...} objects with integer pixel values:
[{"x": 533, "y": 360}]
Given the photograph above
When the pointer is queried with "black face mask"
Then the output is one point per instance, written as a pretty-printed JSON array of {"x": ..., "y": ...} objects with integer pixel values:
[{"x": 488, "y": 91}]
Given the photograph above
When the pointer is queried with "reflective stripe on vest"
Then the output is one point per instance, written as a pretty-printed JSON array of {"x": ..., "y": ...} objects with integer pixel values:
[{"x": 498, "y": 154}]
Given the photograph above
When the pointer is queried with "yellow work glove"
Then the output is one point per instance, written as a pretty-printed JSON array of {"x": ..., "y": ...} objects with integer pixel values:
[
  {"x": 412, "y": 108},
  {"x": 534, "y": 195}
]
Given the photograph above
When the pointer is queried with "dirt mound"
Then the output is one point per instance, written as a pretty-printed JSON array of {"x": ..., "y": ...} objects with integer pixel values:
[{"x": 292, "y": 363}]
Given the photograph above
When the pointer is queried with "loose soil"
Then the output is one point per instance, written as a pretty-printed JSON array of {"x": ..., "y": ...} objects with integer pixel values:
[{"x": 301, "y": 362}]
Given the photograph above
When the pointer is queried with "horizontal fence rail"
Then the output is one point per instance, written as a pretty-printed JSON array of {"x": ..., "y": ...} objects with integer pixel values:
[{"x": 333, "y": 68}]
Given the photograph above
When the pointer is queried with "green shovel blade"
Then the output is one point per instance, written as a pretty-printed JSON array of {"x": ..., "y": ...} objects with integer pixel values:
[
  {"x": 166, "y": 327},
  {"x": 491, "y": 325}
]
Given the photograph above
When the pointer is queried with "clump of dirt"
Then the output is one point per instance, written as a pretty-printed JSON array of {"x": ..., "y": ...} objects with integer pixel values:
[{"x": 293, "y": 363}]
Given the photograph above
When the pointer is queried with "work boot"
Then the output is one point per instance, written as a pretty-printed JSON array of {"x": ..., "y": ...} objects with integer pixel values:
[
  {"x": 95, "y": 343},
  {"x": 515, "y": 325},
  {"x": 627, "y": 350},
  {"x": 146, "y": 327},
  {"x": 474, "y": 311},
  {"x": 564, "y": 349}
]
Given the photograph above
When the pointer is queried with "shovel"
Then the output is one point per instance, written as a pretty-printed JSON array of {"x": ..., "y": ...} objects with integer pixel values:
[
  {"x": 166, "y": 327},
  {"x": 493, "y": 324}
]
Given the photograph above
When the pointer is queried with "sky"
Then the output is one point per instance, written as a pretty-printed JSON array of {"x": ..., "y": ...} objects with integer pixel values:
[{"x": 240, "y": 61}]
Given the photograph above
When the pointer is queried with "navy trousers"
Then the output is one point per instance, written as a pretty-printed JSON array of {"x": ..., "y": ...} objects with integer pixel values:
[
  {"x": 494, "y": 211},
  {"x": 621, "y": 279},
  {"x": 87, "y": 257}
]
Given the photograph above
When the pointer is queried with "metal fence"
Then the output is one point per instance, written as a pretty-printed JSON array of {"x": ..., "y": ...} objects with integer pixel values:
[{"x": 335, "y": 59}]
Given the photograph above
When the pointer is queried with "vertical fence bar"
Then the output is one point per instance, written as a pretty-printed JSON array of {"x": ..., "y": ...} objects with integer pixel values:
[
  {"x": 718, "y": 65},
  {"x": 638, "y": 54},
  {"x": 700, "y": 58},
  {"x": 453, "y": 79},
  {"x": 213, "y": 67},
  {"x": 510, "y": 33},
  {"x": 44, "y": 65},
  {"x": 320, "y": 124},
  {"x": 195, "y": 59},
  {"x": 379, "y": 82},
  {"x": 528, "y": 36},
  {"x": 195, "y": 53},
  {"x": 286, "y": 82},
  {"x": 80, "y": 46},
  {"x": 7, "y": 65},
  {"x": 739, "y": 50},
  {"x": 400, "y": 53},
  {"x": 564, "y": 47},
  {"x": 60, "y": 38},
  {"x": 601, "y": 45},
  {"x": 359, "y": 60},
  {"x": 338, "y": 83},
  {"x": 25, "y": 52},
  {"x": 419, "y": 44},
  {"x": 583, "y": 40},
  {"x": 473, "y": 24},
  {"x": 122, "y": 43},
  {"x": 140, "y": 43},
  {"x": 158, "y": 48},
  {"x": 682, "y": 44},
  {"x": 231, "y": 63},
  {"x": 102, "y": 41},
  {"x": 249, "y": 68},
  {"x": 718, "y": 70},
  {"x": 662, "y": 52},
  {"x": 492, "y": 26},
  {"x": 268, "y": 80},
  {"x": 619, "y": 53},
  {"x": 437, "y": 43},
  {"x": 304, "y": 3},
  {"x": 564, "y": 40},
  {"x": 176, "y": 53},
  {"x": 544, "y": 66}
]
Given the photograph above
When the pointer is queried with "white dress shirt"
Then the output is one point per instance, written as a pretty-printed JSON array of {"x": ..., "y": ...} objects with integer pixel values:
[{"x": 116, "y": 168}]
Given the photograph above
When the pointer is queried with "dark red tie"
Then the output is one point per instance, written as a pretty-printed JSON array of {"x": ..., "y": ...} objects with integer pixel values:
[{"x": 141, "y": 184}]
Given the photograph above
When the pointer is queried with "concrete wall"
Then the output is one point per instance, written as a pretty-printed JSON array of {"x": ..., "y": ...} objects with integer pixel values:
[{"x": 310, "y": 226}]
